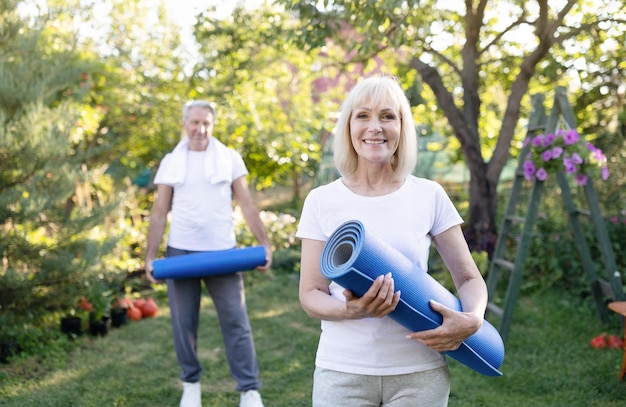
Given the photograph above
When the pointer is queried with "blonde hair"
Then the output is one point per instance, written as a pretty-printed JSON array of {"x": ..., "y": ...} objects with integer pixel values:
[{"x": 380, "y": 90}]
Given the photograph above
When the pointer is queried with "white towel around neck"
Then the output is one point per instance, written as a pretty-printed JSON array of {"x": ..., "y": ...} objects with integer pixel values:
[{"x": 218, "y": 165}]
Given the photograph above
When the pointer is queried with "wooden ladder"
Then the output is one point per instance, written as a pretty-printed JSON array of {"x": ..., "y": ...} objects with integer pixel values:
[{"x": 609, "y": 285}]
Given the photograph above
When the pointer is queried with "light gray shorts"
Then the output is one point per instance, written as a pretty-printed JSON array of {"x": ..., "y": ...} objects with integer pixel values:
[{"x": 430, "y": 388}]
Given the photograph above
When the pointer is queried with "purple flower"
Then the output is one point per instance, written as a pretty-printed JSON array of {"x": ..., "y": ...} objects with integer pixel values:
[
  {"x": 529, "y": 165},
  {"x": 570, "y": 137},
  {"x": 529, "y": 170},
  {"x": 556, "y": 152},
  {"x": 605, "y": 173},
  {"x": 541, "y": 174},
  {"x": 549, "y": 139},
  {"x": 569, "y": 165},
  {"x": 614, "y": 219},
  {"x": 565, "y": 145}
]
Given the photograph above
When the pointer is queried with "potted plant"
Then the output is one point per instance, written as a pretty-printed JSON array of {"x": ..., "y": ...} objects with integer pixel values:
[
  {"x": 71, "y": 325},
  {"x": 119, "y": 311},
  {"x": 564, "y": 150},
  {"x": 99, "y": 297},
  {"x": 72, "y": 322}
]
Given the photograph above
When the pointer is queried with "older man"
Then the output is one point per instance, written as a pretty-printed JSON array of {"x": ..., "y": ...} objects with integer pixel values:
[{"x": 198, "y": 181}]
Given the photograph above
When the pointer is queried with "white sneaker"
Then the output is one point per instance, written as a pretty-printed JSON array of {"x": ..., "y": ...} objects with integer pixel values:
[
  {"x": 192, "y": 395},
  {"x": 250, "y": 398}
]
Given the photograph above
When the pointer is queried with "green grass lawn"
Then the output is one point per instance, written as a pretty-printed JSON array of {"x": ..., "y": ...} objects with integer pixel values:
[{"x": 548, "y": 360}]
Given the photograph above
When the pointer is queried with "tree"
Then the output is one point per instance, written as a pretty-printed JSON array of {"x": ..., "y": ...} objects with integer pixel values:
[
  {"x": 141, "y": 86},
  {"x": 50, "y": 199},
  {"x": 465, "y": 54},
  {"x": 137, "y": 93},
  {"x": 268, "y": 106}
]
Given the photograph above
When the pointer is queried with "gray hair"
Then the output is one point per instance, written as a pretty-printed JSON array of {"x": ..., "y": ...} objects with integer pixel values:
[{"x": 198, "y": 103}]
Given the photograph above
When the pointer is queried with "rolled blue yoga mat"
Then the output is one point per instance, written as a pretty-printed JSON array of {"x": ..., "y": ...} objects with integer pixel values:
[
  {"x": 354, "y": 258},
  {"x": 209, "y": 263}
]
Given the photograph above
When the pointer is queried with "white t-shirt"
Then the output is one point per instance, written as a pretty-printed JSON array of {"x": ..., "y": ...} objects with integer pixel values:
[
  {"x": 406, "y": 219},
  {"x": 202, "y": 212}
]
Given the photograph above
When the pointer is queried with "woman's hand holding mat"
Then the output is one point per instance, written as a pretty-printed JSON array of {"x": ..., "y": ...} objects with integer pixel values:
[{"x": 354, "y": 258}]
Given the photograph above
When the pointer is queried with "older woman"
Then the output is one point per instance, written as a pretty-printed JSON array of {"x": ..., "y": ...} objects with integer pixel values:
[{"x": 364, "y": 358}]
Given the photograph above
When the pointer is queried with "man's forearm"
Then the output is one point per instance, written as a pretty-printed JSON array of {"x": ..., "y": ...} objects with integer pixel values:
[{"x": 155, "y": 235}]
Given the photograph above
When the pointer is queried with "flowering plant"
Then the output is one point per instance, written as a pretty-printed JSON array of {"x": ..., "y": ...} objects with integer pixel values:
[{"x": 563, "y": 150}]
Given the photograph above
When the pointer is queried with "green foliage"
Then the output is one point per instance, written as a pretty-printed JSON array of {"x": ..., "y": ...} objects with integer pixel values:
[
  {"x": 478, "y": 62},
  {"x": 268, "y": 106},
  {"x": 553, "y": 261},
  {"x": 51, "y": 187},
  {"x": 100, "y": 294},
  {"x": 281, "y": 230},
  {"x": 286, "y": 261},
  {"x": 49, "y": 345},
  {"x": 140, "y": 88},
  {"x": 616, "y": 228}
]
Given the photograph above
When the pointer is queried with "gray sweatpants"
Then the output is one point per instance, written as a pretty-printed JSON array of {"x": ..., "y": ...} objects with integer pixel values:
[
  {"x": 227, "y": 292},
  {"x": 430, "y": 388}
]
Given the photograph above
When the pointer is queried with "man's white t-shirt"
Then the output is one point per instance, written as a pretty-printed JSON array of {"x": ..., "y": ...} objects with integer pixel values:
[
  {"x": 202, "y": 212},
  {"x": 406, "y": 219}
]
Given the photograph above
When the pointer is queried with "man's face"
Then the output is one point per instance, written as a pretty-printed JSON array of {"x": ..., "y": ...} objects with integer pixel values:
[{"x": 198, "y": 126}]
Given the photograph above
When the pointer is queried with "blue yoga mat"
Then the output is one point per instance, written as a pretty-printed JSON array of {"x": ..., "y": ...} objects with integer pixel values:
[
  {"x": 209, "y": 263},
  {"x": 354, "y": 258}
]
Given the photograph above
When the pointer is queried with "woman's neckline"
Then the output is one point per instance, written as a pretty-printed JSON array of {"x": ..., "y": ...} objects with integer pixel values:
[{"x": 364, "y": 190}]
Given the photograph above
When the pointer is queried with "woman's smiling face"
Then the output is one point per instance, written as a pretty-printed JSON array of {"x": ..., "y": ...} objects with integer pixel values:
[{"x": 375, "y": 131}]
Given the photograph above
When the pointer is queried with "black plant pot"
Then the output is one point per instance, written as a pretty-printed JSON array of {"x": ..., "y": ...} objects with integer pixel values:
[
  {"x": 119, "y": 317},
  {"x": 8, "y": 349},
  {"x": 71, "y": 325},
  {"x": 99, "y": 327}
]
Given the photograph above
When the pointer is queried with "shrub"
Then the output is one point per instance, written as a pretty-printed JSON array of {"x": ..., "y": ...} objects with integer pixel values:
[{"x": 281, "y": 230}]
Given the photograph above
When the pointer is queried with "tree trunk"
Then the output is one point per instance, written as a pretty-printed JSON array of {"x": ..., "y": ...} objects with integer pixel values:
[{"x": 480, "y": 229}]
